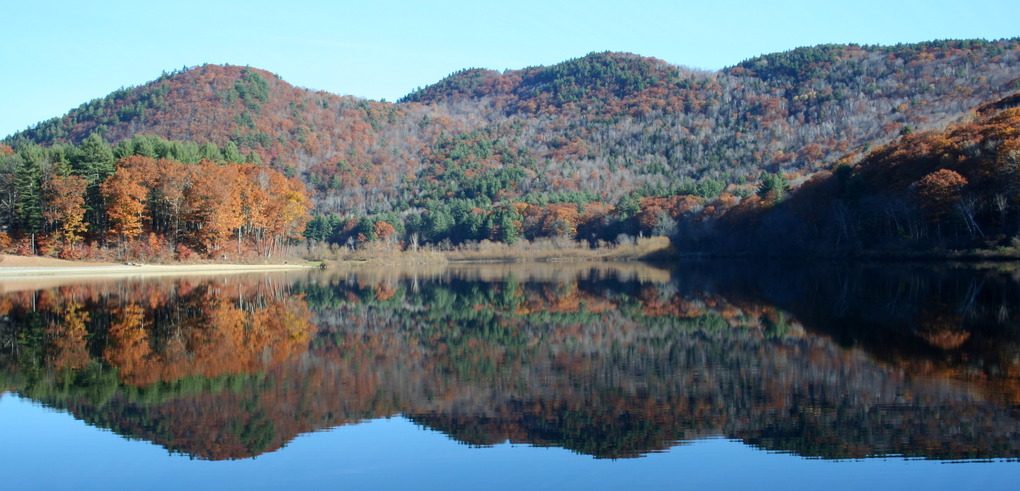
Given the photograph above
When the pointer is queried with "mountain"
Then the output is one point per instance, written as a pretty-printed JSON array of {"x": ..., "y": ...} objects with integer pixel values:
[
  {"x": 252, "y": 108},
  {"x": 606, "y": 128},
  {"x": 954, "y": 188}
]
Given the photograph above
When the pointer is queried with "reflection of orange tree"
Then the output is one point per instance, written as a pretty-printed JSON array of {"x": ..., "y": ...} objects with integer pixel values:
[
  {"x": 222, "y": 338},
  {"x": 653, "y": 304},
  {"x": 128, "y": 348},
  {"x": 941, "y": 328},
  {"x": 69, "y": 345},
  {"x": 152, "y": 332},
  {"x": 563, "y": 298}
]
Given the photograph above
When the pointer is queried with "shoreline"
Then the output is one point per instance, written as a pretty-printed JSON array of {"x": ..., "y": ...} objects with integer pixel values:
[
  {"x": 27, "y": 267},
  {"x": 14, "y": 279},
  {"x": 132, "y": 270}
]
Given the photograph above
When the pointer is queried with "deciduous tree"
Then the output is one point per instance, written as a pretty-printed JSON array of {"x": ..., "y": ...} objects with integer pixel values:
[{"x": 65, "y": 207}]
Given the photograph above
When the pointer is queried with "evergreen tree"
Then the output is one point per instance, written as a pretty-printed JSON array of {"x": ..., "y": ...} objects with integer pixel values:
[
  {"x": 210, "y": 151},
  {"x": 508, "y": 231},
  {"x": 231, "y": 153},
  {"x": 124, "y": 149},
  {"x": 28, "y": 204},
  {"x": 318, "y": 229},
  {"x": 254, "y": 158},
  {"x": 772, "y": 187},
  {"x": 437, "y": 224},
  {"x": 93, "y": 160},
  {"x": 627, "y": 205}
]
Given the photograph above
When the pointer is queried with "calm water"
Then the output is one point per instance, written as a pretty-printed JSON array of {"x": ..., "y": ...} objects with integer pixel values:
[{"x": 773, "y": 376}]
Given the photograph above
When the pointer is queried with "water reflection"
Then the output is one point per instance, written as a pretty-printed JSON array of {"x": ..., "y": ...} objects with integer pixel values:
[{"x": 610, "y": 361}]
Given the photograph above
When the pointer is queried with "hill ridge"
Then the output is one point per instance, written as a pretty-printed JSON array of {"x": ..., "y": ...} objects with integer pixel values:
[{"x": 608, "y": 128}]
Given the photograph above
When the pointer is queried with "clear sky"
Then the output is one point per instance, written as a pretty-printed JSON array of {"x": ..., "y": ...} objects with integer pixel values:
[{"x": 58, "y": 54}]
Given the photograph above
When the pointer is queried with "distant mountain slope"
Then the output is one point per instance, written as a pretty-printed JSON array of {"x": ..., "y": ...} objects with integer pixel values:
[
  {"x": 252, "y": 108},
  {"x": 606, "y": 124},
  {"x": 955, "y": 189}
]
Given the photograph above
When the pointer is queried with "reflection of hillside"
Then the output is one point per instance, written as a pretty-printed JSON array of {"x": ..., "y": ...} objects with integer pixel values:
[
  {"x": 521, "y": 272},
  {"x": 959, "y": 323},
  {"x": 606, "y": 365},
  {"x": 125, "y": 354}
]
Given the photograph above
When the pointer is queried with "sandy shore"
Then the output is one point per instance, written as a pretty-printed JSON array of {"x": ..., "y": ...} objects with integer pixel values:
[{"x": 32, "y": 266}]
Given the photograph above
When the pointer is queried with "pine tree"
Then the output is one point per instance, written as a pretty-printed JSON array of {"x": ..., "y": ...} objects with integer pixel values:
[
  {"x": 93, "y": 160},
  {"x": 772, "y": 187},
  {"x": 28, "y": 204},
  {"x": 231, "y": 154},
  {"x": 254, "y": 158}
]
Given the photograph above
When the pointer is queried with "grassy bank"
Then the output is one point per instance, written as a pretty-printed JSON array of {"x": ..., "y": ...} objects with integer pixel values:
[{"x": 551, "y": 250}]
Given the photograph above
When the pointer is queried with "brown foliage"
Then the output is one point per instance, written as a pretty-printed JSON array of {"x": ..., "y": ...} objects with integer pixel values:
[
  {"x": 65, "y": 207},
  {"x": 203, "y": 206},
  {"x": 938, "y": 191},
  {"x": 125, "y": 204}
]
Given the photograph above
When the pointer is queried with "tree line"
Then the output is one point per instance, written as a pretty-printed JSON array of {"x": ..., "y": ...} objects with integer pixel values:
[{"x": 145, "y": 198}]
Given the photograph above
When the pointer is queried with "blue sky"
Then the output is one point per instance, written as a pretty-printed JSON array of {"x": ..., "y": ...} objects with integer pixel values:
[{"x": 59, "y": 54}]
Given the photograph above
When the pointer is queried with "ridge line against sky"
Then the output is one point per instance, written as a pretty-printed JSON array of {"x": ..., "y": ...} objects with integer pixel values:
[{"x": 63, "y": 53}]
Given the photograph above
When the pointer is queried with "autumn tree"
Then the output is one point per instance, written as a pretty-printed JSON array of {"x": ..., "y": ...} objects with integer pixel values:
[
  {"x": 213, "y": 207},
  {"x": 937, "y": 192},
  {"x": 561, "y": 220},
  {"x": 65, "y": 207},
  {"x": 286, "y": 212},
  {"x": 125, "y": 204},
  {"x": 384, "y": 231},
  {"x": 253, "y": 186},
  {"x": 168, "y": 198}
]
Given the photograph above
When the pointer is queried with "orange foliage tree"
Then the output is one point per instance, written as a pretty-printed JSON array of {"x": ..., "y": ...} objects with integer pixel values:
[
  {"x": 212, "y": 208},
  {"x": 383, "y": 230},
  {"x": 125, "y": 204},
  {"x": 937, "y": 192},
  {"x": 65, "y": 207},
  {"x": 203, "y": 206}
]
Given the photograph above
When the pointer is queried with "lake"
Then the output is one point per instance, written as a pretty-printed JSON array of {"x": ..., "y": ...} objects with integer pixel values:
[{"x": 728, "y": 375}]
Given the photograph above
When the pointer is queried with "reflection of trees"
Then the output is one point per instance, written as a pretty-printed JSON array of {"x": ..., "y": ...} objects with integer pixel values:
[
  {"x": 703, "y": 354},
  {"x": 68, "y": 347},
  {"x": 153, "y": 332},
  {"x": 158, "y": 359},
  {"x": 953, "y": 322},
  {"x": 601, "y": 364}
]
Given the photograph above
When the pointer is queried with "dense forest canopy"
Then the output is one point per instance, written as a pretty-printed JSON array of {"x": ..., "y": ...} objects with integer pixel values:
[
  {"x": 149, "y": 198},
  {"x": 596, "y": 148}
]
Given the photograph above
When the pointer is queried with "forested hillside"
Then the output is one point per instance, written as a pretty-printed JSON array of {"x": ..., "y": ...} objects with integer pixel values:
[
  {"x": 594, "y": 148},
  {"x": 957, "y": 188}
]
